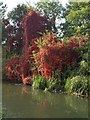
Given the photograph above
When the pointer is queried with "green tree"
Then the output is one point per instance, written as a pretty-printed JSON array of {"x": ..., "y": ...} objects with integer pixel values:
[
  {"x": 17, "y": 14},
  {"x": 77, "y": 18},
  {"x": 53, "y": 11},
  {"x": 3, "y": 8}
]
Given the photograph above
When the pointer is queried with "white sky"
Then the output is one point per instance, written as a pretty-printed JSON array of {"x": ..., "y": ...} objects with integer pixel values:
[{"x": 12, "y": 3}]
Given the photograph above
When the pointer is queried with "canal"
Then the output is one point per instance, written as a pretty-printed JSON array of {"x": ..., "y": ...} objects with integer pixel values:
[{"x": 20, "y": 101}]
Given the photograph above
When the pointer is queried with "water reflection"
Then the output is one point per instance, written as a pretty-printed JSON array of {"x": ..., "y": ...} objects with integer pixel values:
[{"x": 23, "y": 102}]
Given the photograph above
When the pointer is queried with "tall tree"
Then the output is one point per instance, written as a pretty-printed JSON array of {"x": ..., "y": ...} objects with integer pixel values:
[
  {"x": 3, "y": 8},
  {"x": 34, "y": 25},
  {"x": 53, "y": 11},
  {"x": 76, "y": 18},
  {"x": 14, "y": 28}
]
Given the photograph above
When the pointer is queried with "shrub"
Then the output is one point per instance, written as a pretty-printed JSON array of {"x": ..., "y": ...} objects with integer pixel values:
[
  {"x": 13, "y": 68},
  {"x": 18, "y": 68},
  {"x": 78, "y": 84},
  {"x": 39, "y": 82},
  {"x": 84, "y": 68},
  {"x": 53, "y": 84},
  {"x": 55, "y": 55},
  {"x": 54, "y": 58}
]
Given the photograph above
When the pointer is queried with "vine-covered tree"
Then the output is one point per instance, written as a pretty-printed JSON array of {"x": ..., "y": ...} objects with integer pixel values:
[{"x": 34, "y": 24}]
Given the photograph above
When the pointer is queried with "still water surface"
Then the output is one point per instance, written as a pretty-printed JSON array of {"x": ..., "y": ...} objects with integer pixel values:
[{"x": 20, "y": 101}]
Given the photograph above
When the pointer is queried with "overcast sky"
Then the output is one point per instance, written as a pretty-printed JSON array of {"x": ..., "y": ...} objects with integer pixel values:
[{"x": 12, "y": 3}]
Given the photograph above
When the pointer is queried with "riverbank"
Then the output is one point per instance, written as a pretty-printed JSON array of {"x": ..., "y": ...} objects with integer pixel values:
[
  {"x": 50, "y": 89},
  {"x": 40, "y": 68}
]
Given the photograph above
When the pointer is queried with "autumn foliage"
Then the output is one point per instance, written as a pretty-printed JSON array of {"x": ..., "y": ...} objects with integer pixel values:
[
  {"x": 34, "y": 24},
  {"x": 43, "y": 53},
  {"x": 13, "y": 68}
]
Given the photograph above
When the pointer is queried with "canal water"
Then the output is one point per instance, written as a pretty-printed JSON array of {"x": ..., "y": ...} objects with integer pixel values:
[{"x": 20, "y": 101}]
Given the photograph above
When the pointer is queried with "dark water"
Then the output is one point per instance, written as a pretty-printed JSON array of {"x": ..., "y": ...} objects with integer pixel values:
[{"x": 21, "y": 101}]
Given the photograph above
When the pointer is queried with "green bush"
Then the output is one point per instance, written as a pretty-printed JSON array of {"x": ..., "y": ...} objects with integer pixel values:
[
  {"x": 84, "y": 68},
  {"x": 39, "y": 82},
  {"x": 78, "y": 84},
  {"x": 53, "y": 84}
]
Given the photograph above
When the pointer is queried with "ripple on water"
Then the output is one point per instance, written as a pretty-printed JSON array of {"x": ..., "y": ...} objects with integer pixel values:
[{"x": 23, "y": 102}]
